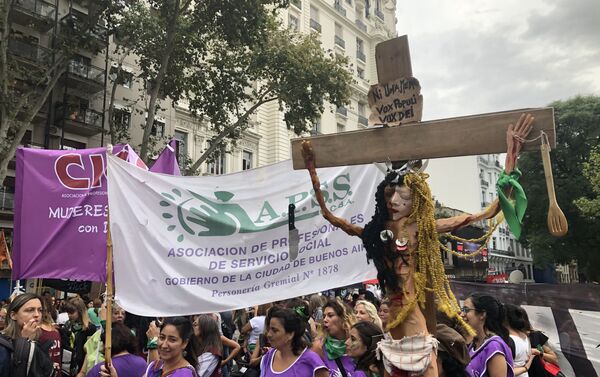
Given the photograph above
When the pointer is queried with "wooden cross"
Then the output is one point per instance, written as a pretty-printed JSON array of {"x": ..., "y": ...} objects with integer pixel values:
[
  {"x": 462, "y": 136},
  {"x": 396, "y": 100}
]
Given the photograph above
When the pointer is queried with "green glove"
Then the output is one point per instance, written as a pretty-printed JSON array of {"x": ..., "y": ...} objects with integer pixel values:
[{"x": 513, "y": 213}]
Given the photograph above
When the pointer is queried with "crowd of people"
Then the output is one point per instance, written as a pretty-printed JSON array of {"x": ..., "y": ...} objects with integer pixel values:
[{"x": 317, "y": 336}]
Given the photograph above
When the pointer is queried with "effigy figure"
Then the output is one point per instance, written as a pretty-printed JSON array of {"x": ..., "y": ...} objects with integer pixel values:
[{"x": 402, "y": 241}]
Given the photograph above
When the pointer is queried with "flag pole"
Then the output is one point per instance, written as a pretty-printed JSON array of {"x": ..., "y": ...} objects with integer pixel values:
[
  {"x": 109, "y": 296},
  {"x": 109, "y": 287}
]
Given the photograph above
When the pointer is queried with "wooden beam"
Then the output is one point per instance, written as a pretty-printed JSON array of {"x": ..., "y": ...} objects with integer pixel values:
[
  {"x": 462, "y": 136},
  {"x": 392, "y": 59}
]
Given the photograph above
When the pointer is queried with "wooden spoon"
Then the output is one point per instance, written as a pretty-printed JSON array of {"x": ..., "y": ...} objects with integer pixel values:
[{"x": 557, "y": 222}]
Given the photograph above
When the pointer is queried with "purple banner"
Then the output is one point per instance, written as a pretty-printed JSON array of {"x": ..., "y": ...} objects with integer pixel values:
[{"x": 61, "y": 206}]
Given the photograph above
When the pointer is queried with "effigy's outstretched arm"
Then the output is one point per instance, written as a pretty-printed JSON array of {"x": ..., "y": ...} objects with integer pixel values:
[
  {"x": 515, "y": 136},
  {"x": 309, "y": 161}
]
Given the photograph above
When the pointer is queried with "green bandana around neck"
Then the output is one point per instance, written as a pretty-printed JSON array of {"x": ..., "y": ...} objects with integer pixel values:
[
  {"x": 334, "y": 348},
  {"x": 512, "y": 213}
]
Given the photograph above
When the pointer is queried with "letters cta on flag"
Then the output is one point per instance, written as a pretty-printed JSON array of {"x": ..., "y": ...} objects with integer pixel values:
[{"x": 185, "y": 245}]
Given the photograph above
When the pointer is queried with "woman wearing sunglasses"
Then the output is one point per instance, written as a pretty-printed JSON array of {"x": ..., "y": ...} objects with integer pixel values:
[{"x": 490, "y": 354}]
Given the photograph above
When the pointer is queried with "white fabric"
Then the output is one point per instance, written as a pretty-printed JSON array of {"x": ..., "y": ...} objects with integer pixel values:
[
  {"x": 522, "y": 352},
  {"x": 210, "y": 244},
  {"x": 410, "y": 354},
  {"x": 207, "y": 362},
  {"x": 62, "y": 318},
  {"x": 258, "y": 326}
]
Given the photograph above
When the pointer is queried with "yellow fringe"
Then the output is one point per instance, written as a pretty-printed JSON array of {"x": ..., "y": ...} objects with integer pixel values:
[{"x": 427, "y": 258}]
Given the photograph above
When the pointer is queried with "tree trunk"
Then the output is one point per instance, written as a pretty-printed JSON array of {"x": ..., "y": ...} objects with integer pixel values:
[{"x": 164, "y": 64}]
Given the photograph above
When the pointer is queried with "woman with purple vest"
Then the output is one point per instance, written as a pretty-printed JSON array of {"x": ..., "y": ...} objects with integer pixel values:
[
  {"x": 289, "y": 355},
  {"x": 490, "y": 352}
]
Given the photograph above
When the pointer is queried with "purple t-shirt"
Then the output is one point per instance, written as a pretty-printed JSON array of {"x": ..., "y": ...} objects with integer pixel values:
[
  {"x": 347, "y": 363},
  {"x": 480, "y": 357},
  {"x": 157, "y": 372},
  {"x": 305, "y": 365},
  {"x": 127, "y": 365}
]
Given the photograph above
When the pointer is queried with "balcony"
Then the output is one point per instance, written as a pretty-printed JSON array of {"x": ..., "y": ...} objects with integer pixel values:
[
  {"x": 340, "y": 8},
  {"x": 37, "y": 14},
  {"x": 29, "y": 54},
  {"x": 79, "y": 120},
  {"x": 80, "y": 24},
  {"x": 342, "y": 111},
  {"x": 379, "y": 14},
  {"x": 7, "y": 199},
  {"x": 361, "y": 56},
  {"x": 483, "y": 160},
  {"x": 340, "y": 42},
  {"x": 361, "y": 25},
  {"x": 296, "y": 3},
  {"x": 362, "y": 120},
  {"x": 484, "y": 183},
  {"x": 508, "y": 253},
  {"x": 87, "y": 78},
  {"x": 315, "y": 25}
]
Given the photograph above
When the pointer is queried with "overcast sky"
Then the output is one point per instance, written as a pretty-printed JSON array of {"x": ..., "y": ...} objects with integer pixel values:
[{"x": 482, "y": 56}]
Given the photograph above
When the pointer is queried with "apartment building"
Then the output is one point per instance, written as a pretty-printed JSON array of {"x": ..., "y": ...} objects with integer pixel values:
[
  {"x": 469, "y": 183},
  {"x": 75, "y": 115}
]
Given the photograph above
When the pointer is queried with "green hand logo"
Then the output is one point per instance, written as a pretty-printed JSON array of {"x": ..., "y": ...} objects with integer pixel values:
[{"x": 214, "y": 217}]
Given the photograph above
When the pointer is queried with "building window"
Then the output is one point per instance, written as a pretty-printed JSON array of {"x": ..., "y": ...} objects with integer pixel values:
[
  {"x": 341, "y": 128},
  {"x": 360, "y": 50},
  {"x": 339, "y": 32},
  {"x": 125, "y": 78},
  {"x": 158, "y": 128},
  {"x": 121, "y": 118},
  {"x": 314, "y": 19},
  {"x": 217, "y": 167},
  {"x": 293, "y": 23},
  {"x": 360, "y": 72},
  {"x": 181, "y": 151},
  {"x": 72, "y": 145},
  {"x": 316, "y": 129},
  {"x": 246, "y": 160},
  {"x": 361, "y": 108}
]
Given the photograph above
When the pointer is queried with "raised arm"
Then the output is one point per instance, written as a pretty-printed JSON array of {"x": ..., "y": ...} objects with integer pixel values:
[
  {"x": 515, "y": 135},
  {"x": 309, "y": 161}
]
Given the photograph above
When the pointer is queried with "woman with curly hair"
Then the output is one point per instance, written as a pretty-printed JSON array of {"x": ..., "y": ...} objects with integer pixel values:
[{"x": 337, "y": 322}]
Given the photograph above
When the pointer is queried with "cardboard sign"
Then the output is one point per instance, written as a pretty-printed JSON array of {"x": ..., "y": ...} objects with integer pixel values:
[{"x": 396, "y": 102}]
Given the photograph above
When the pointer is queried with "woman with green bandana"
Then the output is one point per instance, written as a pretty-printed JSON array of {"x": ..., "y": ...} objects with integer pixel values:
[
  {"x": 337, "y": 321},
  {"x": 361, "y": 345}
]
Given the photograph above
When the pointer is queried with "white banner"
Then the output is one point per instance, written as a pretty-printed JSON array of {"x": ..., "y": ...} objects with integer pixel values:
[{"x": 185, "y": 245}]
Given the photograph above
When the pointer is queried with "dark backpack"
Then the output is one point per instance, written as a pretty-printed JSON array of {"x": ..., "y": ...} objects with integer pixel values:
[{"x": 28, "y": 359}]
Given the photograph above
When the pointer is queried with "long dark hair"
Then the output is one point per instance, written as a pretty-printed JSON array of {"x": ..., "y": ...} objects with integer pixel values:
[
  {"x": 370, "y": 334},
  {"x": 185, "y": 330},
  {"x": 292, "y": 323},
  {"x": 210, "y": 337},
  {"x": 517, "y": 318},
  {"x": 451, "y": 366},
  {"x": 495, "y": 314},
  {"x": 371, "y": 235}
]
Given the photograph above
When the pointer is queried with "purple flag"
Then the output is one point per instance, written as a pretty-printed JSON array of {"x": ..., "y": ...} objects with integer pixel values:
[
  {"x": 166, "y": 163},
  {"x": 60, "y": 208}
]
